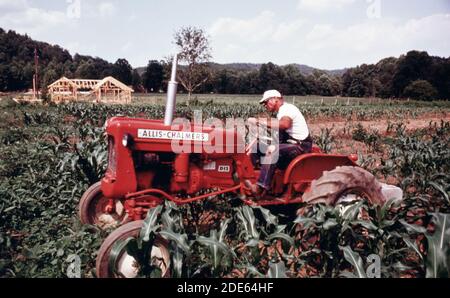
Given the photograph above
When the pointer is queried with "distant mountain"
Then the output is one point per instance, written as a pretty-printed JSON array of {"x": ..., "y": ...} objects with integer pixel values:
[
  {"x": 247, "y": 67},
  {"x": 140, "y": 70}
]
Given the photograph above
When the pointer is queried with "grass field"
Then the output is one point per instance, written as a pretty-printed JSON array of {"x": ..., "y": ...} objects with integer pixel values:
[{"x": 142, "y": 98}]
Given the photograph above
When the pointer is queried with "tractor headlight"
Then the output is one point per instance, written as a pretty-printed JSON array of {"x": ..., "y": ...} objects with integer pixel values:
[{"x": 127, "y": 140}]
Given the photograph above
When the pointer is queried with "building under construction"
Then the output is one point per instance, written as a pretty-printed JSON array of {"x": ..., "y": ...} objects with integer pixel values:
[{"x": 108, "y": 90}]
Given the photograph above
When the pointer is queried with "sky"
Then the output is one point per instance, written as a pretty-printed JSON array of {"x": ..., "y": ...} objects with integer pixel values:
[{"x": 326, "y": 34}]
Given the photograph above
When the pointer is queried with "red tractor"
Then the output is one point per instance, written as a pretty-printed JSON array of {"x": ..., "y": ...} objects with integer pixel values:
[{"x": 143, "y": 171}]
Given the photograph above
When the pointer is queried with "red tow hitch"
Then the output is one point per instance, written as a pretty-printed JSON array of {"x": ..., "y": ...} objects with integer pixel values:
[{"x": 110, "y": 207}]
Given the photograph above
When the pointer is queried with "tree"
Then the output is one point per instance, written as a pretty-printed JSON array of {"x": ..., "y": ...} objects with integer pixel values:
[
  {"x": 195, "y": 52},
  {"x": 153, "y": 76},
  {"x": 421, "y": 90},
  {"x": 440, "y": 77},
  {"x": 49, "y": 77},
  {"x": 123, "y": 71},
  {"x": 295, "y": 80},
  {"x": 248, "y": 83},
  {"x": 86, "y": 70},
  {"x": 222, "y": 82},
  {"x": 385, "y": 70},
  {"x": 272, "y": 76},
  {"x": 361, "y": 81},
  {"x": 17, "y": 63},
  {"x": 414, "y": 66},
  {"x": 5, "y": 75},
  {"x": 137, "y": 81}
]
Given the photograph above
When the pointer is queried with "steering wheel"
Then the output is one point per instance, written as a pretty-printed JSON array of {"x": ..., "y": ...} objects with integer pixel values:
[{"x": 259, "y": 132}]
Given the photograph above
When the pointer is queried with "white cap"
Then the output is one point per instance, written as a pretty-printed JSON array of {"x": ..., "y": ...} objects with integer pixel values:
[{"x": 270, "y": 94}]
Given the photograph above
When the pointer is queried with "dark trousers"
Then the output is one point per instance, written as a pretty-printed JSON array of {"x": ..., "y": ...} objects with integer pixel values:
[{"x": 281, "y": 157}]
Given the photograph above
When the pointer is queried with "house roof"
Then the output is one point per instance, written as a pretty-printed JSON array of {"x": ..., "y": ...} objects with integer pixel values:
[
  {"x": 63, "y": 79},
  {"x": 92, "y": 84},
  {"x": 115, "y": 82}
]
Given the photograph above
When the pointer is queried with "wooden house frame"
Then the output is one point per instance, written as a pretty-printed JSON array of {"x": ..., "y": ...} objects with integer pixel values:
[
  {"x": 107, "y": 90},
  {"x": 111, "y": 90},
  {"x": 63, "y": 90}
]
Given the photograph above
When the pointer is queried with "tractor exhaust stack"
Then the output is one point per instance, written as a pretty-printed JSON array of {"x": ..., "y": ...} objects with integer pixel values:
[{"x": 171, "y": 93}]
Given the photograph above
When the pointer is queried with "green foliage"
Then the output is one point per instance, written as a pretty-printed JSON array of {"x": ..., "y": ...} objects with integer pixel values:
[
  {"x": 123, "y": 71},
  {"x": 372, "y": 139},
  {"x": 359, "y": 133},
  {"x": 153, "y": 76},
  {"x": 323, "y": 241},
  {"x": 439, "y": 247},
  {"x": 42, "y": 177},
  {"x": 421, "y": 158},
  {"x": 412, "y": 75},
  {"x": 325, "y": 140},
  {"x": 421, "y": 90},
  {"x": 17, "y": 64}
]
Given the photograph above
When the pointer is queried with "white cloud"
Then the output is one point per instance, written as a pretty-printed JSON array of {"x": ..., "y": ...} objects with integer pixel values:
[
  {"x": 322, "y": 5},
  {"x": 286, "y": 31},
  {"x": 22, "y": 17},
  {"x": 376, "y": 39},
  {"x": 383, "y": 34},
  {"x": 232, "y": 38},
  {"x": 253, "y": 30},
  {"x": 263, "y": 39}
]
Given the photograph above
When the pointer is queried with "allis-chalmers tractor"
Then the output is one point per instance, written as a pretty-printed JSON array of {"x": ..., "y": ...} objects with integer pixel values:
[{"x": 143, "y": 171}]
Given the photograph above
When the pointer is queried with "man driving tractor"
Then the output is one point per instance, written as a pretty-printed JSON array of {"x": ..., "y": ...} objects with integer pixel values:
[{"x": 294, "y": 139}]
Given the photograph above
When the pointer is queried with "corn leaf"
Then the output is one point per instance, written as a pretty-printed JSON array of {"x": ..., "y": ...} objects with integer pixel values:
[{"x": 354, "y": 259}]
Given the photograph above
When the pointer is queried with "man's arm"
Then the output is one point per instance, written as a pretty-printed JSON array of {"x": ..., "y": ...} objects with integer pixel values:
[{"x": 284, "y": 123}]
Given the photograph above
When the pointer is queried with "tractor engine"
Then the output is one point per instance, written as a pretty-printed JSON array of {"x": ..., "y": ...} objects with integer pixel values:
[
  {"x": 193, "y": 174},
  {"x": 182, "y": 173}
]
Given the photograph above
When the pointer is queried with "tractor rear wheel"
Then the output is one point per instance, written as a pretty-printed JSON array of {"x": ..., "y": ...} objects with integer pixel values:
[
  {"x": 125, "y": 265},
  {"x": 343, "y": 184},
  {"x": 91, "y": 209}
]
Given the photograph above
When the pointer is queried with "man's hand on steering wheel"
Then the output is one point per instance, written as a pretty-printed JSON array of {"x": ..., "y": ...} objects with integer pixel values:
[{"x": 259, "y": 130}]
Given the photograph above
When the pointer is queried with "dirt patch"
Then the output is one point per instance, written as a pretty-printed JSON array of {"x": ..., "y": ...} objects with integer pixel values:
[{"x": 343, "y": 127}]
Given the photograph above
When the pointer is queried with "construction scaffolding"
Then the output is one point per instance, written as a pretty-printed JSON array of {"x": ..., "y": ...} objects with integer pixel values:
[{"x": 108, "y": 90}]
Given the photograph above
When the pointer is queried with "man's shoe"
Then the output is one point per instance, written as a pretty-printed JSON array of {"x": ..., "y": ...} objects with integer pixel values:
[{"x": 254, "y": 188}]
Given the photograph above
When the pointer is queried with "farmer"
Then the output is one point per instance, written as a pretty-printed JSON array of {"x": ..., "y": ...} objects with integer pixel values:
[{"x": 294, "y": 139}]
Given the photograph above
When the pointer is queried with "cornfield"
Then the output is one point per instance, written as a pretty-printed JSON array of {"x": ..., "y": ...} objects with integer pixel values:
[{"x": 51, "y": 154}]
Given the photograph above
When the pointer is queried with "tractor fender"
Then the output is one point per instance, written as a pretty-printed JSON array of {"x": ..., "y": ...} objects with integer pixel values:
[{"x": 308, "y": 167}]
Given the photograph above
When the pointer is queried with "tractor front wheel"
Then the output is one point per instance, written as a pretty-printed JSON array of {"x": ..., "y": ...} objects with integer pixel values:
[
  {"x": 92, "y": 209},
  {"x": 124, "y": 265},
  {"x": 343, "y": 184}
]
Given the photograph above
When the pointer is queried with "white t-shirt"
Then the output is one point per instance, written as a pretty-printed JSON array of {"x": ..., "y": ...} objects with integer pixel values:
[{"x": 299, "y": 129}]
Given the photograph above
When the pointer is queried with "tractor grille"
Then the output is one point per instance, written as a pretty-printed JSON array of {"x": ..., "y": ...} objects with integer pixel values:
[{"x": 112, "y": 157}]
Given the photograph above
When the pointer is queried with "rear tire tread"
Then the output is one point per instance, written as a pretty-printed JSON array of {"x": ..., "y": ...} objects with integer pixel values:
[{"x": 332, "y": 184}]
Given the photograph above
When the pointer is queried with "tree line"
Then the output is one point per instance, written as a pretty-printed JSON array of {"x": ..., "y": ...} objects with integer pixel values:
[
  {"x": 17, "y": 64},
  {"x": 414, "y": 75}
]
